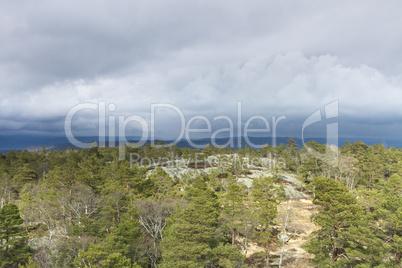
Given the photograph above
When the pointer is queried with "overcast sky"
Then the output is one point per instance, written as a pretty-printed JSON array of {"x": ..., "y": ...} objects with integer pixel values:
[{"x": 278, "y": 58}]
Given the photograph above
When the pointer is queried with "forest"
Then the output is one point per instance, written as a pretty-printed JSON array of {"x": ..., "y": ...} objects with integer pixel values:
[{"x": 89, "y": 208}]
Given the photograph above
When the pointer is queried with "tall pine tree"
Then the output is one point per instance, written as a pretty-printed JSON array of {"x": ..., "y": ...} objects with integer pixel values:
[
  {"x": 13, "y": 238},
  {"x": 335, "y": 243},
  {"x": 190, "y": 239},
  {"x": 266, "y": 197},
  {"x": 190, "y": 234}
]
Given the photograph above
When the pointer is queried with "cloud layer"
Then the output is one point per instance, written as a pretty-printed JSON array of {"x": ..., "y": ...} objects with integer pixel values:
[{"x": 277, "y": 58}]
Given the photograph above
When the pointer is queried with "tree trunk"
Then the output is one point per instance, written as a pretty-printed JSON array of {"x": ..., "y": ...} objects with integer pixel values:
[{"x": 266, "y": 256}]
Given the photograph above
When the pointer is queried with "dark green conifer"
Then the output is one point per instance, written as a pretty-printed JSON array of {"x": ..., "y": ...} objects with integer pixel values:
[{"x": 13, "y": 237}]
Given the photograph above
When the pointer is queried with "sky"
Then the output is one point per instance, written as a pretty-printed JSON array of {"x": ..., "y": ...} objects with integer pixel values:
[{"x": 162, "y": 65}]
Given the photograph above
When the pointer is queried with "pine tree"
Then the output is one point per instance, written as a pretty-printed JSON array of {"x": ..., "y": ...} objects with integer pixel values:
[
  {"x": 191, "y": 238},
  {"x": 190, "y": 235},
  {"x": 389, "y": 213},
  {"x": 336, "y": 243},
  {"x": 124, "y": 238},
  {"x": 97, "y": 256},
  {"x": 13, "y": 238},
  {"x": 266, "y": 198},
  {"x": 233, "y": 207},
  {"x": 24, "y": 175}
]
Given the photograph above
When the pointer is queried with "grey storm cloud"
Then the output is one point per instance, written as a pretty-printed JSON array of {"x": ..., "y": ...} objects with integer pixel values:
[{"x": 277, "y": 58}]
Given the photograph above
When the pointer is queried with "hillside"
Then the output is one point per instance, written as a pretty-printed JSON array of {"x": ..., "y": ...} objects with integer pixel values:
[{"x": 219, "y": 207}]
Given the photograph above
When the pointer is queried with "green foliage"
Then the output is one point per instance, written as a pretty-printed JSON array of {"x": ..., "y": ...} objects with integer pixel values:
[
  {"x": 234, "y": 208},
  {"x": 24, "y": 175},
  {"x": 266, "y": 197},
  {"x": 72, "y": 199},
  {"x": 389, "y": 215},
  {"x": 86, "y": 226},
  {"x": 125, "y": 237},
  {"x": 13, "y": 238},
  {"x": 190, "y": 238},
  {"x": 335, "y": 242},
  {"x": 68, "y": 249},
  {"x": 190, "y": 235},
  {"x": 97, "y": 256},
  {"x": 226, "y": 256},
  {"x": 29, "y": 264}
]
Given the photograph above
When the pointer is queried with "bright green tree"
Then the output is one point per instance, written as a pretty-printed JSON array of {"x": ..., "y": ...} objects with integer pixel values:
[
  {"x": 191, "y": 238},
  {"x": 97, "y": 256},
  {"x": 125, "y": 237},
  {"x": 190, "y": 234},
  {"x": 335, "y": 243},
  {"x": 25, "y": 175},
  {"x": 234, "y": 207},
  {"x": 266, "y": 197},
  {"x": 389, "y": 213}
]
